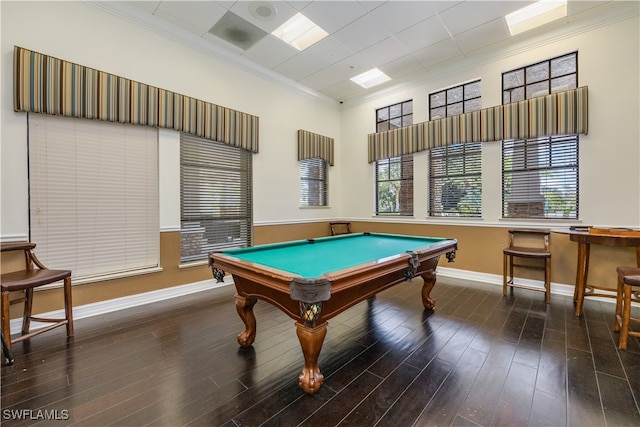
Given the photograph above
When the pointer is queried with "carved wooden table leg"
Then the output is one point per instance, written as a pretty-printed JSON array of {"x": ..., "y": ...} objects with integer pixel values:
[
  {"x": 244, "y": 306},
  {"x": 429, "y": 278},
  {"x": 311, "y": 340}
]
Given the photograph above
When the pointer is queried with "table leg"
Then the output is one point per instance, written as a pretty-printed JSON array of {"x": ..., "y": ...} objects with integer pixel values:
[
  {"x": 244, "y": 306},
  {"x": 311, "y": 340},
  {"x": 429, "y": 278},
  {"x": 582, "y": 272}
]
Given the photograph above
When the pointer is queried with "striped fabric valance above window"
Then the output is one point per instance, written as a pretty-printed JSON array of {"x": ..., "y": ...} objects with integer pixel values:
[
  {"x": 43, "y": 84},
  {"x": 562, "y": 113},
  {"x": 312, "y": 145}
]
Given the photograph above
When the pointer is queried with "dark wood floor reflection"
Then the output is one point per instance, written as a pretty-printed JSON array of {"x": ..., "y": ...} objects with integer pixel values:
[{"x": 478, "y": 359}]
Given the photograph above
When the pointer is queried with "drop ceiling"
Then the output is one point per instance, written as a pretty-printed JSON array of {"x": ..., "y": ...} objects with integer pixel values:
[{"x": 405, "y": 39}]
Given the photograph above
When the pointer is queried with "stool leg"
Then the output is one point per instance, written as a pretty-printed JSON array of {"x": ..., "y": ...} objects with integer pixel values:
[
  {"x": 619, "y": 293},
  {"x": 626, "y": 315},
  {"x": 68, "y": 306},
  {"x": 6, "y": 319},
  {"x": 547, "y": 280},
  {"x": 28, "y": 305}
]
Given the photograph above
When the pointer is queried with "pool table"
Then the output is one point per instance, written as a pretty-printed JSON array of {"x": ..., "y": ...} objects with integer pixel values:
[{"x": 313, "y": 280}]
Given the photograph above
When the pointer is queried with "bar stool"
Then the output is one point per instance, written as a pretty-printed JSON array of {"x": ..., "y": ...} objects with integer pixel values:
[
  {"x": 537, "y": 248},
  {"x": 628, "y": 292}
]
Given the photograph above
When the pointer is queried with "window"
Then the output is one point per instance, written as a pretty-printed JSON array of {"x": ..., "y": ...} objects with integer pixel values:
[
  {"x": 313, "y": 182},
  {"x": 540, "y": 176},
  {"x": 215, "y": 197},
  {"x": 455, "y": 186},
  {"x": 394, "y": 176},
  {"x": 93, "y": 195}
]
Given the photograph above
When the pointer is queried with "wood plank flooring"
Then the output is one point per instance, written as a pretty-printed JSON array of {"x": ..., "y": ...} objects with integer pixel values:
[{"x": 478, "y": 360}]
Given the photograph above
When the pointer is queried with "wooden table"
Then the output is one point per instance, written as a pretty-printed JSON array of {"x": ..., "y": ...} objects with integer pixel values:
[{"x": 585, "y": 239}]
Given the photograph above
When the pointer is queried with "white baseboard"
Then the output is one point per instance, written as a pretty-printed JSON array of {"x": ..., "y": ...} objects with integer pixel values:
[{"x": 103, "y": 307}]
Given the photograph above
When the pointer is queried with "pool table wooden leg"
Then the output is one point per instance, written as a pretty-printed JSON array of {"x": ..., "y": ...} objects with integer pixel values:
[
  {"x": 311, "y": 340},
  {"x": 244, "y": 306},
  {"x": 429, "y": 278}
]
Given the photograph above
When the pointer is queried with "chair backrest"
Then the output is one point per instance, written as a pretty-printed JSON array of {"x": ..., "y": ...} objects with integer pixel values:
[
  {"x": 529, "y": 238},
  {"x": 16, "y": 256},
  {"x": 340, "y": 227}
]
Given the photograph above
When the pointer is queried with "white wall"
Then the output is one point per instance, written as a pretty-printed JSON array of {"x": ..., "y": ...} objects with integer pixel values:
[
  {"x": 78, "y": 32},
  {"x": 608, "y": 63},
  {"x": 81, "y": 33}
]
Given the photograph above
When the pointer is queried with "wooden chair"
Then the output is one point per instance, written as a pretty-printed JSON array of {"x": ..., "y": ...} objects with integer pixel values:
[
  {"x": 340, "y": 227},
  {"x": 535, "y": 247},
  {"x": 628, "y": 292},
  {"x": 25, "y": 281}
]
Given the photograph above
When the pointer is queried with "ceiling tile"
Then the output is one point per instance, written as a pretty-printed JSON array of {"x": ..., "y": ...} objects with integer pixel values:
[
  {"x": 344, "y": 90},
  {"x": 441, "y": 52},
  {"x": 297, "y": 68},
  {"x": 326, "y": 52},
  {"x": 195, "y": 16},
  {"x": 469, "y": 14},
  {"x": 396, "y": 16},
  {"x": 386, "y": 50},
  {"x": 425, "y": 33},
  {"x": 331, "y": 16},
  {"x": 361, "y": 34},
  {"x": 270, "y": 52},
  {"x": 483, "y": 36},
  {"x": 402, "y": 67}
]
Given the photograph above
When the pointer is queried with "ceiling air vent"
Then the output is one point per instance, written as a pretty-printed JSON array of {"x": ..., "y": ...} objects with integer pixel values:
[{"x": 237, "y": 31}]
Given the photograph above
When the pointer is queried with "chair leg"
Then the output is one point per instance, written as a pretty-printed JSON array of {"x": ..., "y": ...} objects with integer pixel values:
[
  {"x": 6, "y": 353},
  {"x": 28, "y": 305},
  {"x": 68, "y": 304},
  {"x": 6, "y": 319},
  {"x": 626, "y": 316},
  {"x": 504, "y": 275}
]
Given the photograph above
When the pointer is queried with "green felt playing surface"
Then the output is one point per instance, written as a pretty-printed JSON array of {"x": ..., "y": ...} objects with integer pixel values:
[{"x": 325, "y": 255}]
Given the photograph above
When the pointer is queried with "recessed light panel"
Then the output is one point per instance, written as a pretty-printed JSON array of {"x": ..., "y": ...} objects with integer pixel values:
[
  {"x": 370, "y": 78},
  {"x": 299, "y": 32},
  {"x": 536, "y": 14}
]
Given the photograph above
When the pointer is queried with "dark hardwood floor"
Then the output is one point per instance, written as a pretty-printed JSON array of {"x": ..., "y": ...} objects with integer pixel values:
[{"x": 478, "y": 359}]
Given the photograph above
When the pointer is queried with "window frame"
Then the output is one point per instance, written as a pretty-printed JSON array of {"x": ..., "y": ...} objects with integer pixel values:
[
  {"x": 466, "y": 156},
  {"x": 544, "y": 204},
  {"x": 309, "y": 180},
  {"x": 216, "y": 206},
  {"x": 392, "y": 117}
]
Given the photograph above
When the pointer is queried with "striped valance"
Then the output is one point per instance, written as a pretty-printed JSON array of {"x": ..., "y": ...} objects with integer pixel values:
[
  {"x": 562, "y": 113},
  {"x": 43, "y": 84},
  {"x": 312, "y": 145}
]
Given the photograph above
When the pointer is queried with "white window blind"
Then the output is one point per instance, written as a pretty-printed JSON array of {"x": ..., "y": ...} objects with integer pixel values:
[
  {"x": 313, "y": 182},
  {"x": 215, "y": 197},
  {"x": 93, "y": 190}
]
